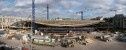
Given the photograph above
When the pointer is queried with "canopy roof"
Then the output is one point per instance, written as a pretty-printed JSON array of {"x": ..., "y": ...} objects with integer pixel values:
[{"x": 68, "y": 22}]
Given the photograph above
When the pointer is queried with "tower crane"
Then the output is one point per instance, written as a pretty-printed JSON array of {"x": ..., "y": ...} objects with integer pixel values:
[
  {"x": 33, "y": 17},
  {"x": 85, "y": 10}
]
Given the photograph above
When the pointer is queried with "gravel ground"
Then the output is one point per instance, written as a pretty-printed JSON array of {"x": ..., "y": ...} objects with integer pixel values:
[{"x": 97, "y": 45}]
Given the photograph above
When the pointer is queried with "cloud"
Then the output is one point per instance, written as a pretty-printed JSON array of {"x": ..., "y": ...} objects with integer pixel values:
[
  {"x": 64, "y": 8},
  {"x": 70, "y": 4}
]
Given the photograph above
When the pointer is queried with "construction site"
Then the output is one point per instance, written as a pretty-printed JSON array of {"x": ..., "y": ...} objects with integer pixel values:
[{"x": 29, "y": 33}]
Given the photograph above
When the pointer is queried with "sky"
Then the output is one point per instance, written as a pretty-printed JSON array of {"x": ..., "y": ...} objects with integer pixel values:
[{"x": 63, "y": 8}]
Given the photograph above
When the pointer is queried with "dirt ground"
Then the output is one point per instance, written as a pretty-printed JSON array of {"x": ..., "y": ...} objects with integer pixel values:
[{"x": 97, "y": 45}]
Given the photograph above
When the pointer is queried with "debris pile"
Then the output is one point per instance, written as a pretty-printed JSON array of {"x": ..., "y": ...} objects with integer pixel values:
[{"x": 63, "y": 39}]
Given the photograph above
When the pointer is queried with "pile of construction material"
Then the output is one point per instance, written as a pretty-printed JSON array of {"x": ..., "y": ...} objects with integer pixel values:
[
  {"x": 85, "y": 39},
  {"x": 66, "y": 42},
  {"x": 107, "y": 36},
  {"x": 43, "y": 40},
  {"x": 102, "y": 36},
  {"x": 71, "y": 41},
  {"x": 121, "y": 37}
]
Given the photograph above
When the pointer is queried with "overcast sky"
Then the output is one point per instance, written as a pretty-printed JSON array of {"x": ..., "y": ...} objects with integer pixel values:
[{"x": 63, "y": 8}]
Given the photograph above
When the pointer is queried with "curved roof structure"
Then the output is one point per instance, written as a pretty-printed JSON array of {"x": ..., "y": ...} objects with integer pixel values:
[
  {"x": 68, "y": 22},
  {"x": 56, "y": 23}
]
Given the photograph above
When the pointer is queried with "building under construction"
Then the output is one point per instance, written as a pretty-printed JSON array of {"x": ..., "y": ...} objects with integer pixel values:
[
  {"x": 62, "y": 26},
  {"x": 48, "y": 26}
]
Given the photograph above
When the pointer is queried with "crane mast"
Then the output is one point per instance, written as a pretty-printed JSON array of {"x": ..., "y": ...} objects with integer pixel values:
[{"x": 33, "y": 17}]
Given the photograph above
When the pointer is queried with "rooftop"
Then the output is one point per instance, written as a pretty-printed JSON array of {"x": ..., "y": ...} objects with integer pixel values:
[{"x": 68, "y": 22}]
